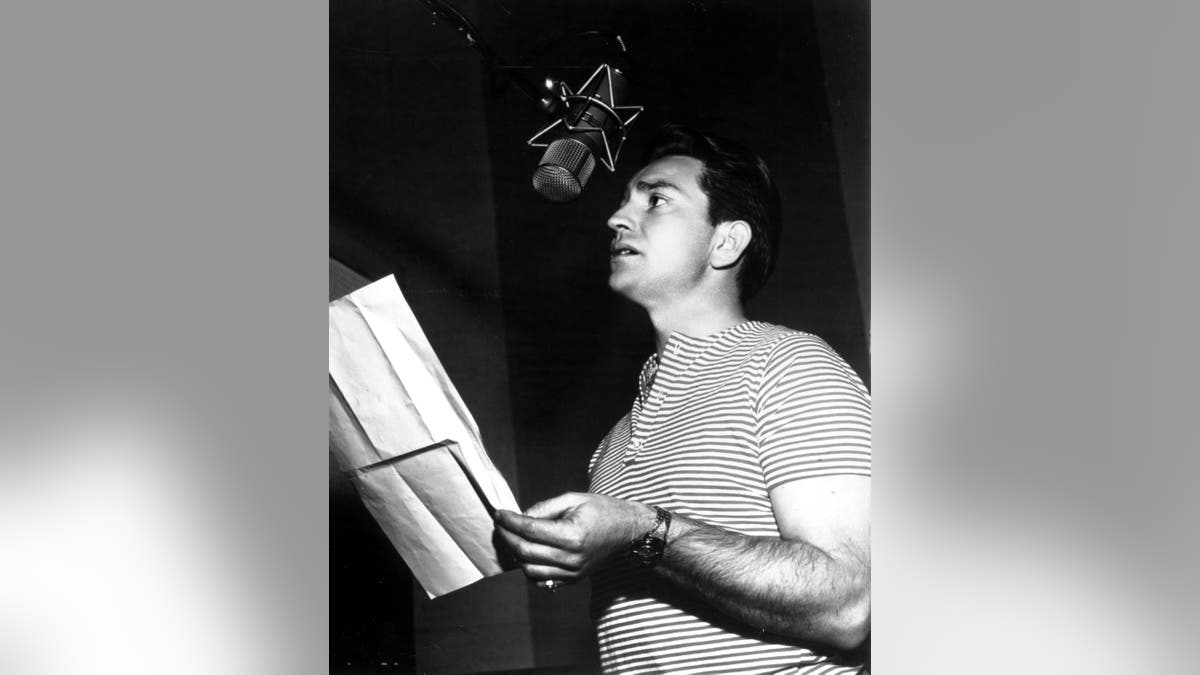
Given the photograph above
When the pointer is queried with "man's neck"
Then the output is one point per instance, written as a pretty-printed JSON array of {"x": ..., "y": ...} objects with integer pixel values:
[{"x": 695, "y": 319}]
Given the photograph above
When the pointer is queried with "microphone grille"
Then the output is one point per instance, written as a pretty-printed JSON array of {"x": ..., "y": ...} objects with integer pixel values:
[{"x": 564, "y": 170}]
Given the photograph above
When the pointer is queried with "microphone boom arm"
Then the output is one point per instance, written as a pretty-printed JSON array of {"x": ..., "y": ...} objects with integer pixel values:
[{"x": 449, "y": 14}]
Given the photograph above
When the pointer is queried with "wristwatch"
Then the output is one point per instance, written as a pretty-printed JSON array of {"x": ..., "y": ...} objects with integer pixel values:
[{"x": 648, "y": 549}]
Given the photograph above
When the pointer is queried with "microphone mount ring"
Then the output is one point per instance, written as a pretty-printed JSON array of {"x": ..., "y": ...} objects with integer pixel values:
[{"x": 610, "y": 159}]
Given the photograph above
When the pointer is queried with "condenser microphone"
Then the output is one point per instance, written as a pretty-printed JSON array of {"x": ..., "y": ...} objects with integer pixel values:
[{"x": 592, "y": 128}]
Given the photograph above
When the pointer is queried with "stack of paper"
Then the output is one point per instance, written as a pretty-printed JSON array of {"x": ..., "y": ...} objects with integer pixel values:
[{"x": 398, "y": 427}]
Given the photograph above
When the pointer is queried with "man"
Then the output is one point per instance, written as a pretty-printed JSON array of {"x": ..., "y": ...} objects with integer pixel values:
[{"x": 727, "y": 518}]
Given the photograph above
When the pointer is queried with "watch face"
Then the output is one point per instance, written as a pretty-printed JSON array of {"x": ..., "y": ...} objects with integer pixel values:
[{"x": 648, "y": 550}]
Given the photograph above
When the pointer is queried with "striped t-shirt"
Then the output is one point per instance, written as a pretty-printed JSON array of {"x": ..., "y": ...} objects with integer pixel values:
[{"x": 717, "y": 422}]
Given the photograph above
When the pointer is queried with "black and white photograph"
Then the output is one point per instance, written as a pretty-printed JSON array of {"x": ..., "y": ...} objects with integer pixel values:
[{"x": 599, "y": 346}]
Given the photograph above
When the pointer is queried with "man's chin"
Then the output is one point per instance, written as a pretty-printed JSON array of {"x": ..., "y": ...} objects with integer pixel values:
[{"x": 621, "y": 286}]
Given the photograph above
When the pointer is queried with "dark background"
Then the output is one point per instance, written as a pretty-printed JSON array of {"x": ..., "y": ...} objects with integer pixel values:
[{"x": 430, "y": 181}]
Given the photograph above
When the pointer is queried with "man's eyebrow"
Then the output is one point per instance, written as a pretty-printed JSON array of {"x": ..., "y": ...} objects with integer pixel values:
[
  {"x": 656, "y": 184},
  {"x": 648, "y": 186}
]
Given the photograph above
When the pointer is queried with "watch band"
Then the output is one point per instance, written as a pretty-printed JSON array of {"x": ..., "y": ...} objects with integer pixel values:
[{"x": 648, "y": 549}]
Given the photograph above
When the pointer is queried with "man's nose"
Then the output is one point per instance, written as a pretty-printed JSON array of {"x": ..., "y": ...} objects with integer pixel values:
[{"x": 619, "y": 221}]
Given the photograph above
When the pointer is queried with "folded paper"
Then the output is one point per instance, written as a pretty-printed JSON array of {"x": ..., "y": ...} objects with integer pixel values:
[{"x": 399, "y": 429}]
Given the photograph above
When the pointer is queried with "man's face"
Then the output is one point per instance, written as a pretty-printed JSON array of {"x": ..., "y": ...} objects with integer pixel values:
[{"x": 662, "y": 235}]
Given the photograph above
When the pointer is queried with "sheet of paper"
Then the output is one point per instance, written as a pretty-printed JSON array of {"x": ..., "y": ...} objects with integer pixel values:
[{"x": 399, "y": 428}]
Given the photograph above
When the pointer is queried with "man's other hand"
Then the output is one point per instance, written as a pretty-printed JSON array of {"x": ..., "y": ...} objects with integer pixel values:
[{"x": 569, "y": 536}]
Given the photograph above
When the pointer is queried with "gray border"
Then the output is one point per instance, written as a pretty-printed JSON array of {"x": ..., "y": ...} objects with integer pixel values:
[
  {"x": 1034, "y": 335},
  {"x": 164, "y": 473}
]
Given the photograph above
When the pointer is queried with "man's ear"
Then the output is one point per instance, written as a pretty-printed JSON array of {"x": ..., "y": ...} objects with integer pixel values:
[{"x": 730, "y": 241}]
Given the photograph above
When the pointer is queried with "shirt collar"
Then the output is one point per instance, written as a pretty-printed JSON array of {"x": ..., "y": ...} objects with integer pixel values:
[
  {"x": 698, "y": 344},
  {"x": 685, "y": 349}
]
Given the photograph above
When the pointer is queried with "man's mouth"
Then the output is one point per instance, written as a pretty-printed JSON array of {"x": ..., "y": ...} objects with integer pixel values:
[{"x": 621, "y": 250}]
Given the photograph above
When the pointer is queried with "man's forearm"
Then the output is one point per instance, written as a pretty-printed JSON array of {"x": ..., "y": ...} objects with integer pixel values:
[{"x": 789, "y": 588}]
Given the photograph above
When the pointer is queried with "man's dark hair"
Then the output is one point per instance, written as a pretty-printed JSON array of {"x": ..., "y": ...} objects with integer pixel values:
[{"x": 739, "y": 186}]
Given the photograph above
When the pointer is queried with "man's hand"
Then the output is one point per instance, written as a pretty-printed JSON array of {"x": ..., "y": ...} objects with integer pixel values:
[{"x": 569, "y": 536}]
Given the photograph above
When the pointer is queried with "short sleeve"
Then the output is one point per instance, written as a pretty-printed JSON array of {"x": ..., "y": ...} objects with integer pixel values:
[{"x": 813, "y": 414}]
